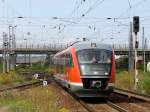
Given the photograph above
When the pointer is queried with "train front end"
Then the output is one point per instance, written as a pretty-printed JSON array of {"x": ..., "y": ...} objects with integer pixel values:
[{"x": 97, "y": 69}]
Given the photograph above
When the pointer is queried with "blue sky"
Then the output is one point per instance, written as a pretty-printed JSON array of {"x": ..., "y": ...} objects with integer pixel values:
[{"x": 70, "y": 25}]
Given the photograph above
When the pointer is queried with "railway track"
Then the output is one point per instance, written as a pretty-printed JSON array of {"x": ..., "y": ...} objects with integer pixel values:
[
  {"x": 22, "y": 86},
  {"x": 28, "y": 74},
  {"x": 131, "y": 101},
  {"x": 105, "y": 106},
  {"x": 131, "y": 95},
  {"x": 118, "y": 104},
  {"x": 94, "y": 106}
]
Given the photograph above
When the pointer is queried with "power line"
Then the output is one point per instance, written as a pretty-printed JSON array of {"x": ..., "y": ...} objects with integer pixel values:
[
  {"x": 98, "y": 2},
  {"x": 129, "y": 3},
  {"x": 90, "y": 9},
  {"x": 10, "y": 7},
  {"x": 135, "y": 5},
  {"x": 76, "y": 7}
]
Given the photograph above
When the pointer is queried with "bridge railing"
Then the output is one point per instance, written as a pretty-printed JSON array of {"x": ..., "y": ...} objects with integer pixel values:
[
  {"x": 39, "y": 46},
  {"x": 121, "y": 47},
  {"x": 124, "y": 47}
]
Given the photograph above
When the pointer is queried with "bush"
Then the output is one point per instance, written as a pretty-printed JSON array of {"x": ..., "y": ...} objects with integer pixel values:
[
  {"x": 31, "y": 100},
  {"x": 144, "y": 82},
  {"x": 10, "y": 78},
  {"x": 1, "y": 66},
  {"x": 124, "y": 80},
  {"x": 6, "y": 79},
  {"x": 122, "y": 63}
]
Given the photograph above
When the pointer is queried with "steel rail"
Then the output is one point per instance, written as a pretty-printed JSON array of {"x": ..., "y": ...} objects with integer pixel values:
[
  {"x": 90, "y": 108},
  {"x": 76, "y": 98},
  {"x": 21, "y": 86},
  {"x": 132, "y": 94},
  {"x": 116, "y": 107},
  {"x": 109, "y": 103},
  {"x": 87, "y": 107}
]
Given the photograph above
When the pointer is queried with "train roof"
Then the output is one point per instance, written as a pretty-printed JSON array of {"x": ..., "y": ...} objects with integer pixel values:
[{"x": 88, "y": 45}]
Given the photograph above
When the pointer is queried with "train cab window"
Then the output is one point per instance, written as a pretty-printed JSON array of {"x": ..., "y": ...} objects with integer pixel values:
[
  {"x": 71, "y": 61},
  {"x": 94, "y": 56},
  {"x": 94, "y": 61},
  {"x": 106, "y": 56}
]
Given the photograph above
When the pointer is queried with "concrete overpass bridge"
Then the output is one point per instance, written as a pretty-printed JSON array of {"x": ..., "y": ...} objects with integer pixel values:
[
  {"x": 35, "y": 49},
  {"x": 52, "y": 49},
  {"x": 28, "y": 52}
]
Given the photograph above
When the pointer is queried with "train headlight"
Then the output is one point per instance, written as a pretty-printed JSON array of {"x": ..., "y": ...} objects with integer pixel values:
[
  {"x": 108, "y": 61},
  {"x": 106, "y": 73},
  {"x": 82, "y": 67}
]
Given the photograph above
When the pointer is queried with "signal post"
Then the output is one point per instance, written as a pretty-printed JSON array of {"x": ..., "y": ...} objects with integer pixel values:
[{"x": 135, "y": 30}]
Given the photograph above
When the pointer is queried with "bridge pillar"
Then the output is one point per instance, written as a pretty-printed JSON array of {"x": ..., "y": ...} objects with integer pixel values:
[{"x": 12, "y": 61}]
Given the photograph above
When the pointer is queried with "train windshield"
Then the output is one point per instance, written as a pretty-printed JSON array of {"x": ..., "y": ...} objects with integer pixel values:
[
  {"x": 94, "y": 56},
  {"x": 94, "y": 61}
]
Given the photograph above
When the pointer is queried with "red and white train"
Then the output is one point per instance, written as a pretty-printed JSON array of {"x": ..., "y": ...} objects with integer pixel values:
[{"x": 86, "y": 69}]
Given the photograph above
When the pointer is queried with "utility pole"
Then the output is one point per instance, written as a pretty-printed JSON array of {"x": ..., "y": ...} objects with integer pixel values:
[
  {"x": 11, "y": 47},
  {"x": 30, "y": 64},
  {"x": 143, "y": 39},
  {"x": 25, "y": 50},
  {"x": 136, "y": 30},
  {"x": 5, "y": 50},
  {"x": 143, "y": 47},
  {"x": 145, "y": 43},
  {"x": 131, "y": 55}
]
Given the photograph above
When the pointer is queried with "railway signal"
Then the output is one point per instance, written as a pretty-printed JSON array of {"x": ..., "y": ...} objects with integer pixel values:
[
  {"x": 136, "y": 30},
  {"x": 136, "y": 24}
]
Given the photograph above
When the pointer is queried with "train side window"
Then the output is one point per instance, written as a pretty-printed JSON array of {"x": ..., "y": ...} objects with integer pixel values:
[{"x": 69, "y": 60}]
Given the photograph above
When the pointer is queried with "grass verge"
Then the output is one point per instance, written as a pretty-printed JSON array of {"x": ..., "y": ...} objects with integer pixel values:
[
  {"x": 39, "y": 99},
  {"x": 125, "y": 80}
]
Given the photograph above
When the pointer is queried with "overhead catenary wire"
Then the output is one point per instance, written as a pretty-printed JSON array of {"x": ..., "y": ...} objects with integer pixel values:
[
  {"x": 98, "y": 2},
  {"x": 11, "y": 8},
  {"x": 71, "y": 21},
  {"x": 95, "y": 4},
  {"x": 76, "y": 7},
  {"x": 133, "y": 6},
  {"x": 129, "y": 2}
]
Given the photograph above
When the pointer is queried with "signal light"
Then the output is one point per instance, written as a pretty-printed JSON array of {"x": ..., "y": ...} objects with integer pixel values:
[
  {"x": 136, "y": 44},
  {"x": 136, "y": 24}
]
